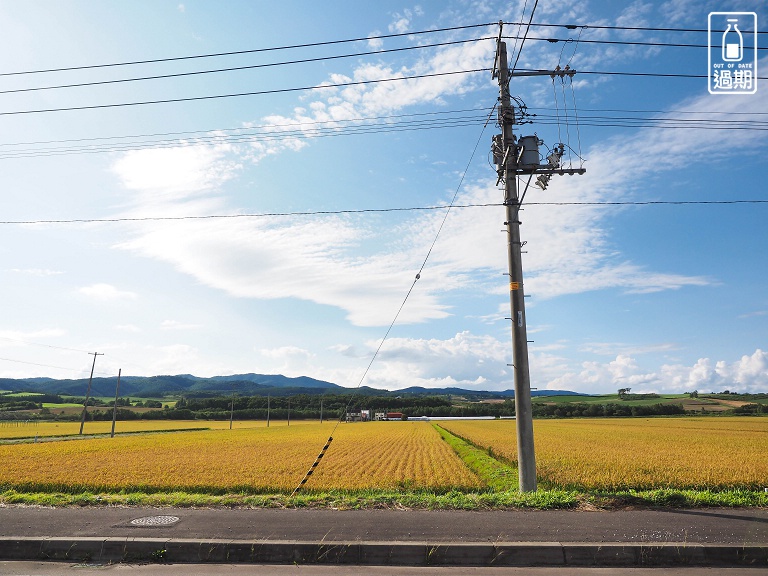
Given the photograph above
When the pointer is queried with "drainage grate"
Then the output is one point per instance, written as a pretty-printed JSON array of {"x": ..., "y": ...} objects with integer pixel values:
[{"x": 155, "y": 521}]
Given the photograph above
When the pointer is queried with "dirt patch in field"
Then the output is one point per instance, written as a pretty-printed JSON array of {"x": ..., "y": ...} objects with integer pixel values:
[
  {"x": 703, "y": 406},
  {"x": 731, "y": 403}
]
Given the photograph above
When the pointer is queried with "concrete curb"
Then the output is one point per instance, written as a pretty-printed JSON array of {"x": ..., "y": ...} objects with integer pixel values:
[{"x": 124, "y": 549}]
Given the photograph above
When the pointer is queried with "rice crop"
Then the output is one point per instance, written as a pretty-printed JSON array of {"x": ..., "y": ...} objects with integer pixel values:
[
  {"x": 255, "y": 460},
  {"x": 632, "y": 453}
]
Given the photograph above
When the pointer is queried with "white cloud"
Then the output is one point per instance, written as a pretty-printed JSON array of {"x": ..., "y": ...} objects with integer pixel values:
[
  {"x": 286, "y": 352},
  {"x": 106, "y": 293},
  {"x": 309, "y": 260},
  {"x": 749, "y": 374},
  {"x": 615, "y": 348},
  {"x": 167, "y": 174},
  {"x": 289, "y": 360},
  {"x": 19, "y": 338},
  {"x": 401, "y": 23},
  {"x": 321, "y": 260},
  {"x": 375, "y": 43},
  {"x": 465, "y": 360},
  {"x": 42, "y": 272},
  {"x": 176, "y": 325}
]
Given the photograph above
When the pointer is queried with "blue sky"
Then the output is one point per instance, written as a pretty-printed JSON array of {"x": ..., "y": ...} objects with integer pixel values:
[{"x": 668, "y": 298}]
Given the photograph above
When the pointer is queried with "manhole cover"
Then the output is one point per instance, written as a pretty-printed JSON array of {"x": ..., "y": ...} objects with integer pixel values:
[{"x": 155, "y": 521}]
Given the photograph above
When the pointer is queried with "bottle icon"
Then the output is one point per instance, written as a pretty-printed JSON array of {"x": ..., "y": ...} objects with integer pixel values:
[{"x": 733, "y": 42}]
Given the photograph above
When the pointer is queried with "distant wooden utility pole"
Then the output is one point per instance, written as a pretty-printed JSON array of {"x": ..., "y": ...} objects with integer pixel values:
[
  {"x": 267, "y": 410},
  {"x": 88, "y": 393},
  {"x": 232, "y": 407},
  {"x": 114, "y": 408}
]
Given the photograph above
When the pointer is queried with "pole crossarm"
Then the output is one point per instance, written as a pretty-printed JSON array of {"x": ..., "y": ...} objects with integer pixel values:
[
  {"x": 543, "y": 169},
  {"x": 556, "y": 73}
]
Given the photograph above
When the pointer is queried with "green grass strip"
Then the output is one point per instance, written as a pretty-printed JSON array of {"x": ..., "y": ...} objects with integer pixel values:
[
  {"x": 390, "y": 499},
  {"x": 498, "y": 476}
]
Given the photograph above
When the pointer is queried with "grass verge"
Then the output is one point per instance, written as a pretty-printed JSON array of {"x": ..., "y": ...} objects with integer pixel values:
[
  {"x": 497, "y": 475},
  {"x": 421, "y": 500}
]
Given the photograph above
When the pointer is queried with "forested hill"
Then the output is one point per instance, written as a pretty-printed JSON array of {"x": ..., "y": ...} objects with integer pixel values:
[
  {"x": 159, "y": 386},
  {"x": 239, "y": 384}
]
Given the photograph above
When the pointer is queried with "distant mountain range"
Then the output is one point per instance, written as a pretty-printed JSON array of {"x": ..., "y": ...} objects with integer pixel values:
[{"x": 241, "y": 384}]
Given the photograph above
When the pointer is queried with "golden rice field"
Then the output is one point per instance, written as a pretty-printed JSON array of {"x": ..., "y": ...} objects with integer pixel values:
[
  {"x": 615, "y": 454},
  {"x": 20, "y": 429},
  {"x": 383, "y": 455},
  {"x": 582, "y": 454}
]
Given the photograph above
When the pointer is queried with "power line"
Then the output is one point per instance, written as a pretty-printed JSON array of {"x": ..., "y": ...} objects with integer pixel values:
[
  {"x": 641, "y": 28},
  {"x": 324, "y": 129},
  {"x": 44, "y": 345},
  {"x": 237, "y": 68},
  {"x": 649, "y": 203},
  {"x": 372, "y": 211},
  {"x": 271, "y": 126},
  {"x": 332, "y": 131},
  {"x": 328, "y": 86},
  {"x": 623, "y": 43},
  {"x": 236, "y": 216},
  {"x": 333, "y": 123},
  {"x": 645, "y": 111},
  {"x": 235, "y": 95},
  {"x": 522, "y": 42},
  {"x": 652, "y": 74},
  {"x": 344, "y": 41},
  {"x": 402, "y": 305},
  {"x": 251, "y": 51},
  {"x": 42, "y": 365},
  {"x": 247, "y": 135}
]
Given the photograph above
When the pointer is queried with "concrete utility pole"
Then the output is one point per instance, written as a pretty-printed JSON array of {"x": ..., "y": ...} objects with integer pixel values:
[
  {"x": 526, "y": 457},
  {"x": 515, "y": 158},
  {"x": 88, "y": 393}
]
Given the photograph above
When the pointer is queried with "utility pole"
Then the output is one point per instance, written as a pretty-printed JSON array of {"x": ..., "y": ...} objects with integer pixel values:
[
  {"x": 114, "y": 408},
  {"x": 88, "y": 393},
  {"x": 526, "y": 456},
  {"x": 267, "y": 410},
  {"x": 232, "y": 407},
  {"x": 514, "y": 158}
]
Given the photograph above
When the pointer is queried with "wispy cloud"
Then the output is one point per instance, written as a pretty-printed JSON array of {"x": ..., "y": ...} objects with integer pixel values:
[
  {"x": 176, "y": 325},
  {"x": 465, "y": 360},
  {"x": 20, "y": 338},
  {"x": 329, "y": 260},
  {"x": 42, "y": 272},
  {"x": 107, "y": 293}
]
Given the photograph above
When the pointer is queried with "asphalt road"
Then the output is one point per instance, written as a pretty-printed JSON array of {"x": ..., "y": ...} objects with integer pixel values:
[
  {"x": 387, "y": 541},
  {"x": 64, "y": 569},
  {"x": 716, "y": 526}
]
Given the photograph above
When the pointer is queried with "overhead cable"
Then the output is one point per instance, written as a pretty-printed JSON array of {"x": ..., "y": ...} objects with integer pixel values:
[
  {"x": 129, "y": 219},
  {"x": 239, "y": 94},
  {"x": 640, "y": 28},
  {"x": 251, "y": 51},
  {"x": 236, "y": 68}
]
